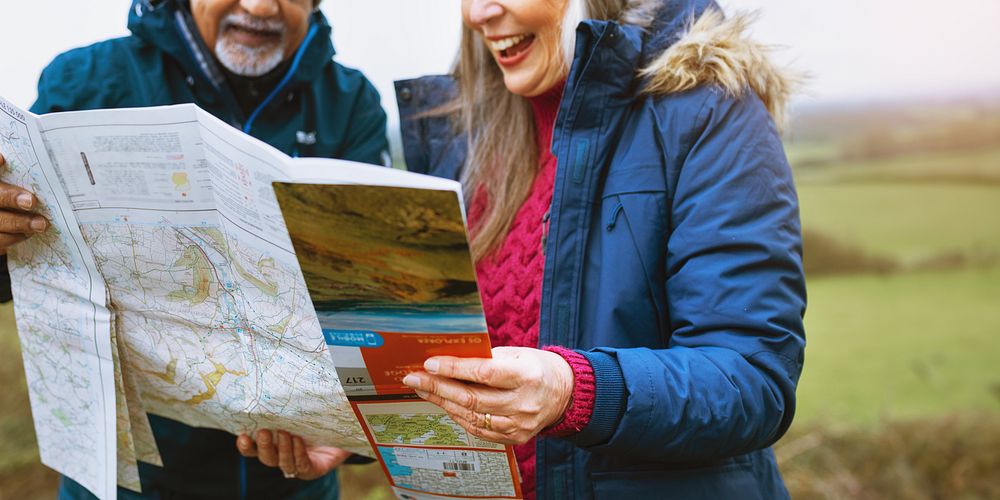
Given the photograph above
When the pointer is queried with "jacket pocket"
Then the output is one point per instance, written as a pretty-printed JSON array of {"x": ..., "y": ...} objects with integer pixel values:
[
  {"x": 731, "y": 479},
  {"x": 635, "y": 231},
  {"x": 635, "y": 203},
  {"x": 647, "y": 178}
]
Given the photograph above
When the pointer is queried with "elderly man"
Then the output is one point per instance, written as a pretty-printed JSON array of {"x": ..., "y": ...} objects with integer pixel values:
[{"x": 263, "y": 66}]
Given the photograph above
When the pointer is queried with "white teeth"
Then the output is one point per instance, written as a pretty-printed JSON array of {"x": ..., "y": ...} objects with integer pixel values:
[{"x": 507, "y": 43}]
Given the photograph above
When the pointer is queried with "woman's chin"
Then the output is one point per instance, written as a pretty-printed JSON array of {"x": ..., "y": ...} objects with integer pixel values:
[
  {"x": 514, "y": 81},
  {"x": 522, "y": 85}
]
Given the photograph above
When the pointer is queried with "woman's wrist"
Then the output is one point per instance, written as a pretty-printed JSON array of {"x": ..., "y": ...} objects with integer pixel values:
[{"x": 581, "y": 404}]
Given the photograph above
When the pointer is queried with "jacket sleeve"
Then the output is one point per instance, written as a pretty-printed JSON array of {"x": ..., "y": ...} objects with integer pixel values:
[
  {"x": 725, "y": 384},
  {"x": 5, "y": 291},
  {"x": 366, "y": 140}
]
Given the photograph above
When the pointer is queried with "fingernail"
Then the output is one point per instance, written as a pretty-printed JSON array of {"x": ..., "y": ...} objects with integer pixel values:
[
  {"x": 411, "y": 380},
  {"x": 25, "y": 201},
  {"x": 39, "y": 224},
  {"x": 432, "y": 365},
  {"x": 264, "y": 438},
  {"x": 422, "y": 394}
]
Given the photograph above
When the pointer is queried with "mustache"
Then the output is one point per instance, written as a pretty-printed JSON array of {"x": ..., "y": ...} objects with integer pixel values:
[{"x": 247, "y": 21}]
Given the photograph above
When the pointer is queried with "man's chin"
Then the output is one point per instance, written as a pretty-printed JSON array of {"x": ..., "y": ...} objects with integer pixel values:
[{"x": 246, "y": 60}]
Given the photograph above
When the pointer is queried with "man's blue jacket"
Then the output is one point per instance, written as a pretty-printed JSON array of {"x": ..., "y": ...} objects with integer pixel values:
[
  {"x": 319, "y": 108},
  {"x": 673, "y": 257}
]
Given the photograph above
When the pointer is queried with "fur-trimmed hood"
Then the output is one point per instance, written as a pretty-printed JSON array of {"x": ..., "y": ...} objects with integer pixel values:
[{"x": 699, "y": 45}]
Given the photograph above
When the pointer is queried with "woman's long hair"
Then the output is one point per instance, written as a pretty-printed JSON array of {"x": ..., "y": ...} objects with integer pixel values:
[{"x": 503, "y": 154}]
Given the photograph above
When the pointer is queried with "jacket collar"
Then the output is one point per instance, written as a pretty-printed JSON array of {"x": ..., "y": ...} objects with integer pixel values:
[
  {"x": 610, "y": 54},
  {"x": 632, "y": 42}
]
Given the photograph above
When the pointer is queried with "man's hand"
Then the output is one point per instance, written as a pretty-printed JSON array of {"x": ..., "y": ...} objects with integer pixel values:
[
  {"x": 291, "y": 454},
  {"x": 508, "y": 399},
  {"x": 17, "y": 219}
]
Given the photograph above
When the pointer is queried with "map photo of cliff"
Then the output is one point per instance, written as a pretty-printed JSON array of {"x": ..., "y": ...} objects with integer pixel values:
[{"x": 386, "y": 258}]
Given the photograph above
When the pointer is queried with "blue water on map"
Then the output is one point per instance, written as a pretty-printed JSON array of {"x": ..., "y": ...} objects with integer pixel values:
[
  {"x": 403, "y": 321},
  {"x": 352, "y": 338},
  {"x": 395, "y": 470}
]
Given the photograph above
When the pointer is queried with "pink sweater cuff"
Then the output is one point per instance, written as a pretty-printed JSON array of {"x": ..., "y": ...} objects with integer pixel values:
[{"x": 581, "y": 405}]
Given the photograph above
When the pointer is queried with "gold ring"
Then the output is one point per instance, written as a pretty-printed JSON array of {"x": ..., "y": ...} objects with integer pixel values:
[{"x": 488, "y": 421}]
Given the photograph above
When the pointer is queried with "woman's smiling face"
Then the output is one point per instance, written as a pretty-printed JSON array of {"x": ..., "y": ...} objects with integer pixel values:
[{"x": 524, "y": 37}]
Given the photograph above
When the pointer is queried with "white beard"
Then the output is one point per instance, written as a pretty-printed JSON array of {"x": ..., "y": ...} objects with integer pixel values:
[{"x": 245, "y": 60}]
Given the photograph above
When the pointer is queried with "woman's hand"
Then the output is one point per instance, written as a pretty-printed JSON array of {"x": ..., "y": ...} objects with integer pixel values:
[
  {"x": 17, "y": 222},
  {"x": 291, "y": 454},
  {"x": 508, "y": 399}
]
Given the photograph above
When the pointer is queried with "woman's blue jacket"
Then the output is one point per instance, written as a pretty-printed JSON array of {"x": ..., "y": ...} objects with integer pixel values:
[{"x": 673, "y": 257}]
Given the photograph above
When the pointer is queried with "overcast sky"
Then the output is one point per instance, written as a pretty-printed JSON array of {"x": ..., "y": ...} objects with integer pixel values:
[{"x": 854, "y": 49}]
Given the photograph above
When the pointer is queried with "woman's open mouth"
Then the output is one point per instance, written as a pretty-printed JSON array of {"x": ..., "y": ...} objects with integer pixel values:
[{"x": 512, "y": 49}]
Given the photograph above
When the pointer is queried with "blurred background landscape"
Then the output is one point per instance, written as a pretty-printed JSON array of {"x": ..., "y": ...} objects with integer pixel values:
[{"x": 900, "y": 201}]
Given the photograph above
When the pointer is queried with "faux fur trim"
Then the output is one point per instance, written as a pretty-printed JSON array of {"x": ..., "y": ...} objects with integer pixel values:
[
  {"x": 717, "y": 50},
  {"x": 639, "y": 12}
]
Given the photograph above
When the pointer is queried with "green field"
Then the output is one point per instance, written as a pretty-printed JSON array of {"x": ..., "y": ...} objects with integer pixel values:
[
  {"x": 900, "y": 395},
  {"x": 16, "y": 431},
  {"x": 981, "y": 165},
  {"x": 907, "y": 221},
  {"x": 905, "y": 344},
  {"x": 908, "y": 345}
]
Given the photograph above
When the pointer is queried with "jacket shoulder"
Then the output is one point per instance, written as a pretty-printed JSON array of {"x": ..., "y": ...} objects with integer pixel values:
[
  {"x": 95, "y": 76},
  {"x": 348, "y": 91},
  {"x": 352, "y": 81},
  {"x": 431, "y": 142},
  {"x": 718, "y": 51},
  {"x": 682, "y": 118}
]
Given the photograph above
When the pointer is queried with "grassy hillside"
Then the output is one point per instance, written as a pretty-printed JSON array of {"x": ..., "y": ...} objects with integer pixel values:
[
  {"x": 920, "y": 337},
  {"x": 907, "y": 221}
]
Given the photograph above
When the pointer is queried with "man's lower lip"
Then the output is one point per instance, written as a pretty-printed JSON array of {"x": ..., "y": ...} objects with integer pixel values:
[
  {"x": 515, "y": 60},
  {"x": 252, "y": 37}
]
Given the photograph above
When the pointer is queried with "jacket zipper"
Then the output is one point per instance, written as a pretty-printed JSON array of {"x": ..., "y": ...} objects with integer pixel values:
[
  {"x": 284, "y": 81},
  {"x": 614, "y": 216},
  {"x": 545, "y": 229}
]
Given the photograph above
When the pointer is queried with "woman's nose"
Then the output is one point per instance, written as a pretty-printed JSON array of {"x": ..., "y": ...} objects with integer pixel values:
[{"x": 481, "y": 12}]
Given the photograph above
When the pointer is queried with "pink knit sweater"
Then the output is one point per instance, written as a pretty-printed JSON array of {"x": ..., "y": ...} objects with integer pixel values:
[{"x": 510, "y": 281}]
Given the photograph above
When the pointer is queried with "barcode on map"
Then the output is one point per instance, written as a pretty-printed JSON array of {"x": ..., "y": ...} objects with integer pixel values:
[{"x": 459, "y": 466}]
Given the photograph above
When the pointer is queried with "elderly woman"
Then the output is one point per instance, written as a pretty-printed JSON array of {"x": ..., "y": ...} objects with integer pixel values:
[{"x": 632, "y": 210}]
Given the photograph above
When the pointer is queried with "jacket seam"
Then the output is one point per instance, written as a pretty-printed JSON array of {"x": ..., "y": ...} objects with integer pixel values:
[{"x": 791, "y": 362}]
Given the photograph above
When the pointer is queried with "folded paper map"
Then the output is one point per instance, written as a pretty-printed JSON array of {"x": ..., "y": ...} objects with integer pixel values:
[{"x": 168, "y": 284}]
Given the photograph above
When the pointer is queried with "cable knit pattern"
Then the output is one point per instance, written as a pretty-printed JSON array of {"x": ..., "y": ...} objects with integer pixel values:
[
  {"x": 510, "y": 282},
  {"x": 510, "y": 278}
]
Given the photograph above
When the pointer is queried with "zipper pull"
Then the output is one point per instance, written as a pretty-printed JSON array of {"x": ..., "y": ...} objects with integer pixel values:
[
  {"x": 614, "y": 216},
  {"x": 545, "y": 229}
]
